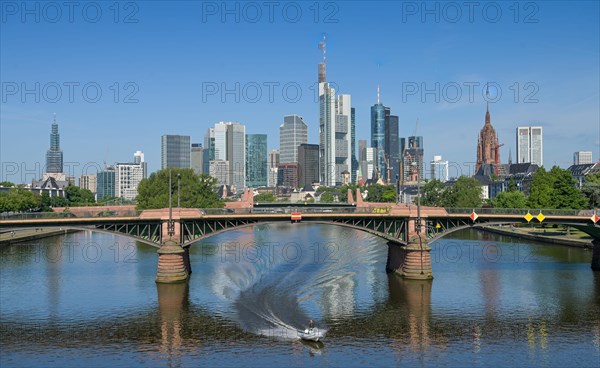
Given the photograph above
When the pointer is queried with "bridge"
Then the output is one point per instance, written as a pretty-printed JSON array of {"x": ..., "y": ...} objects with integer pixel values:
[{"x": 408, "y": 229}]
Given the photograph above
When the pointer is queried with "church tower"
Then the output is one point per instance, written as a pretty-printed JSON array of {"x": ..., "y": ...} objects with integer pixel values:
[{"x": 488, "y": 149}]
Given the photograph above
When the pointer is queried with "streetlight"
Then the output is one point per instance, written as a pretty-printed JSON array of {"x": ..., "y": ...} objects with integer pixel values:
[{"x": 178, "y": 188}]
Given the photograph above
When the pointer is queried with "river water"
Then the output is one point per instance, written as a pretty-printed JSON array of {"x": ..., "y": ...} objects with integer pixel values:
[{"x": 89, "y": 299}]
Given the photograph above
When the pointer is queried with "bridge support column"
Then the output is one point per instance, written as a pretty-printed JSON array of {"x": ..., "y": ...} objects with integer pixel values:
[
  {"x": 596, "y": 255},
  {"x": 172, "y": 263},
  {"x": 411, "y": 261}
]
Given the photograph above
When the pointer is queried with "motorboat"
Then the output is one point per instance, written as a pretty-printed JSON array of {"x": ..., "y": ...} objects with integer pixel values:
[{"x": 310, "y": 334}]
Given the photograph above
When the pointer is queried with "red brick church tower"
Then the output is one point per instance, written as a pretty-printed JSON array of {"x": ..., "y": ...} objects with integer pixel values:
[{"x": 488, "y": 149}]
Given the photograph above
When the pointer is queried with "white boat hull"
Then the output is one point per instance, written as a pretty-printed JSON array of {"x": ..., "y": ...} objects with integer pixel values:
[{"x": 310, "y": 335}]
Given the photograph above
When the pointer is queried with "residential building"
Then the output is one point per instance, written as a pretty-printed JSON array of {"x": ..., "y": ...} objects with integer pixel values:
[
  {"x": 175, "y": 151},
  {"x": 256, "y": 160}
]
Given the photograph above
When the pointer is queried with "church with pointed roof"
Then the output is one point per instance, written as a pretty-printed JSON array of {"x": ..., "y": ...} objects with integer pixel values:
[{"x": 488, "y": 149}]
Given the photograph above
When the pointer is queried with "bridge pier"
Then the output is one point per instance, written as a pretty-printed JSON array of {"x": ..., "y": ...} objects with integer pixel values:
[
  {"x": 596, "y": 255},
  {"x": 411, "y": 261},
  {"x": 172, "y": 263}
]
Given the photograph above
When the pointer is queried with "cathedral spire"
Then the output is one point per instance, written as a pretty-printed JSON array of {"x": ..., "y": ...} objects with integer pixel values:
[{"x": 487, "y": 111}]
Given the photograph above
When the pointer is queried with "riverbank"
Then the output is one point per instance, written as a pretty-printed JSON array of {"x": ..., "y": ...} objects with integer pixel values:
[
  {"x": 25, "y": 235},
  {"x": 534, "y": 234}
]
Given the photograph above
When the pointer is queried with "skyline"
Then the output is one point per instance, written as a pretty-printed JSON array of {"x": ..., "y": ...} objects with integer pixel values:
[{"x": 172, "y": 80}]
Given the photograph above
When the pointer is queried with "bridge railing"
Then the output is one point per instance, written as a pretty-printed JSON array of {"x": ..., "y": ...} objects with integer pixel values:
[
  {"x": 67, "y": 214},
  {"x": 519, "y": 211}
]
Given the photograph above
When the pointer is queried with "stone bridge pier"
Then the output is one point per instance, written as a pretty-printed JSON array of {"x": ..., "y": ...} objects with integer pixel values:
[
  {"x": 173, "y": 260},
  {"x": 411, "y": 261}
]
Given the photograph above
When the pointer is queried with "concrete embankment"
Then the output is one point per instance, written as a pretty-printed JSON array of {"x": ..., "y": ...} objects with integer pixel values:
[
  {"x": 26, "y": 235},
  {"x": 552, "y": 239}
]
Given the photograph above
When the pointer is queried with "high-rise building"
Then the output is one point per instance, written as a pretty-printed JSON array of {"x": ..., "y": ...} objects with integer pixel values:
[
  {"x": 230, "y": 146},
  {"x": 439, "y": 169},
  {"x": 488, "y": 149},
  {"x": 209, "y": 149},
  {"x": 287, "y": 175},
  {"x": 292, "y": 133},
  {"x": 127, "y": 179},
  {"x": 105, "y": 183},
  {"x": 582, "y": 158},
  {"x": 273, "y": 167},
  {"x": 219, "y": 169},
  {"x": 378, "y": 136},
  {"x": 529, "y": 145},
  {"x": 308, "y": 164},
  {"x": 256, "y": 160},
  {"x": 54, "y": 156},
  {"x": 354, "y": 160},
  {"x": 392, "y": 146},
  {"x": 175, "y": 151},
  {"x": 413, "y": 168},
  {"x": 88, "y": 181},
  {"x": 197, "y": 158},
  {"x": 335, "y": 130},
  {"x": 138, "y": 158}
]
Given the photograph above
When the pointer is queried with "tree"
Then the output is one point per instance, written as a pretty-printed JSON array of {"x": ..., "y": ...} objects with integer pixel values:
[
  {"x": 196, "y": 191},
  {"x": 18, "y": 199},
  {"x": 540, "y": 195},
  {"x": 465, "y": 193},
  {"x": 326, "y": 197},
  {"x": 511, "y": 199},
  {"x": 591, "y": 189},
  {"x": 432, "y": 193},
  {"x": 381, "y": 193},
  {"x": 265, "y": 197},
  {"x": 79, "y": 196},
  {"x": 6, "y": 184},
  {"x": 555, "y": 189}
]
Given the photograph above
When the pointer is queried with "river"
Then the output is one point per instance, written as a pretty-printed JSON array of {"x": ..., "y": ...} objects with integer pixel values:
[{"x": 89, "y": 299}]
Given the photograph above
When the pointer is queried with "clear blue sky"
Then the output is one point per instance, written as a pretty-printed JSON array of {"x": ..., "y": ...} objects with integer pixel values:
[{"x": 175, "y": 51}]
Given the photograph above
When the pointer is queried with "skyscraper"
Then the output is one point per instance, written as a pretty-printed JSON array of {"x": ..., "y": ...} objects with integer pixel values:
[
  {"x": 529, "y": 145},
  {"x": 292, "y": 133},
  {"x": 335, "y": 129},
  {"x": 256, "y": 160},
  {"x": 273, "y": 167},
  {"x": 582, "y": 158},
  {"x": 378, "y": 135},
  {"x": 488, "y": 149},
  {"x": 138, "y": 158},
  {"x": 230, "y": 146},
  {"x": 308, "y": 164},
  {"x": 197, "y": 158},
  {"x": 54, "y": 156},
  {"x": 413, "y": 168},
  {"x": 175, "y": 151},
  {"x": 105, "y": 183},
  {"x": 439, "y": 169}
]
